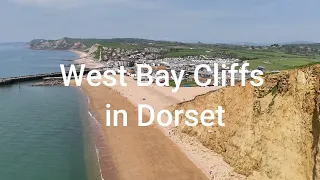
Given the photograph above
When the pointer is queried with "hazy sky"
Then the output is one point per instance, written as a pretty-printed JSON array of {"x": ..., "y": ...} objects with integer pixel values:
[{"x": 259, "y": 21}]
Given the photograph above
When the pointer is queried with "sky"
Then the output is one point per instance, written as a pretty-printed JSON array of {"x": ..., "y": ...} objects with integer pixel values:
[{"x": 208, "y": 21}]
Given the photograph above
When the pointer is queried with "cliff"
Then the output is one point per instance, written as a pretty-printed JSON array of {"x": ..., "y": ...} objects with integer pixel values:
[
  {"x": 61, "y": 44},
  {"x": 271, "y": 132}
]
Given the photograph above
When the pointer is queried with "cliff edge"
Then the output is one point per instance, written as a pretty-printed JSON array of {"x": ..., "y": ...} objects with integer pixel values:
[
  {"x": 271, "y": 132},
  {"x": 61, "y": 44}
]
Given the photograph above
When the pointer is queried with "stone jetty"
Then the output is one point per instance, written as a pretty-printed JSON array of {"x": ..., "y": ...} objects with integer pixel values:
[{"x": 13, "y": 80}]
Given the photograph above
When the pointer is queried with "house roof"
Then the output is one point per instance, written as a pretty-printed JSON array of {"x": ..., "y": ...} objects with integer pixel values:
[{"x": 159, "y": 68}]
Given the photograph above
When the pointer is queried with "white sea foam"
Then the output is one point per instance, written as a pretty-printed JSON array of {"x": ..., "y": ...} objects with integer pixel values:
[
  {"x": 98, "y": 157},
  {"x": 93, "y": 119},
  {"x": 88, "y": 100},
  {"x": 97, "y": 125}
]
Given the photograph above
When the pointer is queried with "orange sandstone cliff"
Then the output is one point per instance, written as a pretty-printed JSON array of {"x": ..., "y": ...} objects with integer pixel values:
[{"x": 271, "y": 132}]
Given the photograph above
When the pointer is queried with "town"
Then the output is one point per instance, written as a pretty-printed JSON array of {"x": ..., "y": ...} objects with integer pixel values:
[
  {"x": 218, "y": 70},
  {"x": 110, "y": 54},
  {"x": 160, "y": 77}
]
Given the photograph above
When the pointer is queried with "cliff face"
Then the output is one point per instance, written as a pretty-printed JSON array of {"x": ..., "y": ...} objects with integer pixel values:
[
  {"x": 271, "y": 132},
  {"x": 61, "y": 44}
]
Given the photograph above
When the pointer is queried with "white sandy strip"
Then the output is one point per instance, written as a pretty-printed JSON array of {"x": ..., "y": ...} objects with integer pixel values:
[
  {"x": 160, "y": 98},
  {"x": 87, "y": 60}
]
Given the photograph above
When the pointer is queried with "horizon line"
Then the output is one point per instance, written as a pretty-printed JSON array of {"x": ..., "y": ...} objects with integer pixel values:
[{"x": 190, "y": 42}]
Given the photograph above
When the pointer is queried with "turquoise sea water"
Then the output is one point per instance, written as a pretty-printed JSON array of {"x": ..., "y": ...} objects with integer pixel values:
[{"x": 44, "y": 131}]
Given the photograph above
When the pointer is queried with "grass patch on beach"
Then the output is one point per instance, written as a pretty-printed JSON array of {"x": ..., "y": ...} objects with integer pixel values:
[{"x": 184, "y": 83}]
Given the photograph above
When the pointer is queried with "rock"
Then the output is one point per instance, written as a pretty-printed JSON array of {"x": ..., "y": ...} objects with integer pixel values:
[
  {"x": 279, "y": 144},
  {"x": 42, "y": 44},
  {"x": 49, "y": 83},
  {"x": 78, "y": 46},
  {"x": 93, "y": 49}
]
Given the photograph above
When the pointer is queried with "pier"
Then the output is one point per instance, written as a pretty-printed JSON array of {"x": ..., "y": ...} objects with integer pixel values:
[{"x": 13, "y": 80}]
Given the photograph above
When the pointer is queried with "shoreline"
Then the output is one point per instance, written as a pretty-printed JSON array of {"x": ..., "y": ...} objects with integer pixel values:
[
  {"x": 208, "y": 162},
  {"x": 148, "y": 146},
  {"x": 84, "y": 58},
  {"x": 93, "y": 127},
  {"x": 97, "y": 138}
]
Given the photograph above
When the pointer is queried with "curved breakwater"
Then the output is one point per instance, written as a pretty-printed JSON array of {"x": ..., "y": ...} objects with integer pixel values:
[{"x": 13, "y": 80}]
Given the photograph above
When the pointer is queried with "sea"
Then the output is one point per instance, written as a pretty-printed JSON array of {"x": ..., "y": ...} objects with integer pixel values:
[{"x": 46, "y": 133}]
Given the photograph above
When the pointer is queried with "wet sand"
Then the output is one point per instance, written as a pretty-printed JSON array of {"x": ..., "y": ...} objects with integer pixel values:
[{"x": 136, "y": 152}]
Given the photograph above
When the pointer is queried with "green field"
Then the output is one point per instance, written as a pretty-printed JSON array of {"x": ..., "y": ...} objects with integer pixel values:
[
  {"x": 278, "y": 58},
  {"x": 282, "y": 63},
  {"x": 271, "y": 60}
]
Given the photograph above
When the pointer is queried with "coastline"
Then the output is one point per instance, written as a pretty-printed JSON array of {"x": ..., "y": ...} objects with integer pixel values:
[
  {"x": 84, "y": 58},
  {"x": 140, "y": 152},
  {"x": 94, "y": 133},
  {"x": 201, "y": 158},
  {"x": 209, "y": 162},
  {"x": 193, "y": 158}
]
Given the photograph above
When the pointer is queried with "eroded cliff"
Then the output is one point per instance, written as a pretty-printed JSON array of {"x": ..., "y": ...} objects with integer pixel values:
[
  {"x": 272, "y": 131},
  {"x": 61, "y": 44}
]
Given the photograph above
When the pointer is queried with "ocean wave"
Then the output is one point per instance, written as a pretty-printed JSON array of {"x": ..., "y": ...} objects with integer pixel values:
[
  {"x": 96, "y": 127},
  {"x": 88, "y": 99},
  {"x": 92, "y": 119}
]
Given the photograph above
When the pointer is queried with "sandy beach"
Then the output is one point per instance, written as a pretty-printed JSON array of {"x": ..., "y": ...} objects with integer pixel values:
[
  {"x": 152, "y": 152},
  {"x": 87, "y": 60},
  {"x": 136, "y": 152},
  {"x": 147, "y": 152},
  {"x": 159, "y": 98}
]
